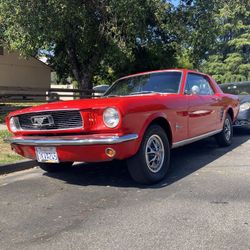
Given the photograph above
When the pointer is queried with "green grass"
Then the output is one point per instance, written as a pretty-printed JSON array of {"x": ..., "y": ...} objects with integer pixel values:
[
  {"x": 6, "y": 154},
  {"x": 2, "y": 117},
  {"x": 6, "y": 108},
  {"x": 4, "y": 134}
]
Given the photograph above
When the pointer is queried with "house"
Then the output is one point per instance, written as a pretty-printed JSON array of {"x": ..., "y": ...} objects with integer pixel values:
[{"x": 18, "y": 72}]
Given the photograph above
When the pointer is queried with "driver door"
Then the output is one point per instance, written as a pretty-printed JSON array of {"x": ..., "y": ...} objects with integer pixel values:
[{"x": 202, "y": 105}]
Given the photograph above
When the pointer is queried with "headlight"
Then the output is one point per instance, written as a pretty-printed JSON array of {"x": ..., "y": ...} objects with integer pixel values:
[
  {"x": 111, "y": 117},
  {"x": 14, "y": 124},
  {"x": 244, "y": 106}
]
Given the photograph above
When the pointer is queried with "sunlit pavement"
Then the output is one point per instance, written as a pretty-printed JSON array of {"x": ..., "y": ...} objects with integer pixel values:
[{"x": 204, "y": 203}]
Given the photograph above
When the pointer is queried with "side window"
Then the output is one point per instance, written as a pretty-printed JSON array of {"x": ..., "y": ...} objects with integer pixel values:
[{"x": 198, "y": 85}]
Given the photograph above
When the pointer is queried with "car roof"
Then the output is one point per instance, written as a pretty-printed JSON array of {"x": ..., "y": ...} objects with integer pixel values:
[{"x": 162, "y": 71}]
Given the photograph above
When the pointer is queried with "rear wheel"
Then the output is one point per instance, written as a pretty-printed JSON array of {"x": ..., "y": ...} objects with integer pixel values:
[
  {"x": 55, "y": 167},
  {"x": 224, "y": 138},
  {"x": 151, "y": 162}
]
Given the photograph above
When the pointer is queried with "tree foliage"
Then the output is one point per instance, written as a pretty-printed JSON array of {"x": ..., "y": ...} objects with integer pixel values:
[
  {"x": 96, "y": 41},
  {"x": 196, "y": 30},
  {"x": 229, "y": 60},
  {"x": 80, "y": 36}
]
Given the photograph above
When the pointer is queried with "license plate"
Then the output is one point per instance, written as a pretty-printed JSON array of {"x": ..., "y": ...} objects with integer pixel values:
[{"x": 46, "y": 154}]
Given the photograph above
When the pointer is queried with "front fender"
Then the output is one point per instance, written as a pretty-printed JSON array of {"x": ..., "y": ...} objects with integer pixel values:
[{"x": 154, "y": 117}]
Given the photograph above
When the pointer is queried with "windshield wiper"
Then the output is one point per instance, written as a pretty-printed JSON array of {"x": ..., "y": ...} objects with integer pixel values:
[
  {"x": 110, "y": 95},
  {"x": 132, "y": 93},
  {"x": 142, "y": 92}
]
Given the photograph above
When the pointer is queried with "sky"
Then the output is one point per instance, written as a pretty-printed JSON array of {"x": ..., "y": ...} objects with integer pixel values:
[{"x": 175, "y": 2}]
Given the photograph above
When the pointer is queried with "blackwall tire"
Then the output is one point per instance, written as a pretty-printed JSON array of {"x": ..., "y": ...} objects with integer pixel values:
[
  {"x": 151, "y": 163},
  {"x": 224, "y": 138}
]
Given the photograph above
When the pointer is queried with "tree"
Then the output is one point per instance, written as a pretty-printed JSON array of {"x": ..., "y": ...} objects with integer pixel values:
[
  {"x": 157, "y": 50},
  {"x": 196, "y": 30},
  {"x": 80, "y": 35},
  {"x": 229, "y": 60}
]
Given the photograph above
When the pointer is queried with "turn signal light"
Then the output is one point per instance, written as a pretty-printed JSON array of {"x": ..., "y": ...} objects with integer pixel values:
[{"x": 110, "y": 152}]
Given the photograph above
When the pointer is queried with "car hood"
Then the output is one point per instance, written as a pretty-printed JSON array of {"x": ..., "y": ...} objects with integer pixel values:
[
  {"x": 74, "y": 104},
  {"x": 82, "y": 104},
  {"x": 244, "y": 98}
]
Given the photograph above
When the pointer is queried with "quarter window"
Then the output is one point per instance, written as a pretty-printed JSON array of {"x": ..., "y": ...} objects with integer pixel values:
[{"x": 198, "y": 84}]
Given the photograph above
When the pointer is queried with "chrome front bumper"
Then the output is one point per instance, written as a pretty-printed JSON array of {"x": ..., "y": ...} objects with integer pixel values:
[
  {"x": 71, "y": 140},
  {"x": 241, "y": 123}
]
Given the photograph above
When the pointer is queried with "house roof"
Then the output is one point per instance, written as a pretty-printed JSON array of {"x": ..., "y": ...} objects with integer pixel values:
[{"x": 43, "y": 63}]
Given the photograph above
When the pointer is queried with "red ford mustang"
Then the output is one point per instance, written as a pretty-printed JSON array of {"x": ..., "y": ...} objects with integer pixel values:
[{"x": 140, "y": 118}]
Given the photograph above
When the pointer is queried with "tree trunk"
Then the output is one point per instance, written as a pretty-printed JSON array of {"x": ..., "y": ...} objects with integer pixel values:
[
  {"x": 85, "y": 84},
  {"x": 84, "y": 71},
  {"x": 77, "y": 70}
]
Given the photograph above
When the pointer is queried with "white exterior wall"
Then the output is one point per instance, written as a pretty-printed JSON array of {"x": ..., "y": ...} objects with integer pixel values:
[{"x": 19, "y": 72}]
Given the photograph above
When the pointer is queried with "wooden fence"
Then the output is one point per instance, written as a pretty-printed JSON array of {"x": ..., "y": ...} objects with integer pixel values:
[{"x": 25, "y": 94}]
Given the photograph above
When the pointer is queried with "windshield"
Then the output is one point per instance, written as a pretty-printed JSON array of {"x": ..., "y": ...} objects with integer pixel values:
[
  {"x": 236, "y": 88},
  {"x": 165, "y": 82}
]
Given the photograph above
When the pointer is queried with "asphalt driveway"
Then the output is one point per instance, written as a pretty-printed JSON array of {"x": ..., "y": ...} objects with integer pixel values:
[{"x": 204, "y": 203}]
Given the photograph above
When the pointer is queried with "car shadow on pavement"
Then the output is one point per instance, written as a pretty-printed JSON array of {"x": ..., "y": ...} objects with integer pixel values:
[{"x": 184, "y": 161}]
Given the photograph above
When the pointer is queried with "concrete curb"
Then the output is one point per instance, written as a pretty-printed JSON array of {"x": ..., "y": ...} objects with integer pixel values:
[{"x": 17, "y": 166}]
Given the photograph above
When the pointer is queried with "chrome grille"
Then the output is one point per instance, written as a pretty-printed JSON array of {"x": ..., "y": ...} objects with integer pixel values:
[{"x": 51, "y": 120}]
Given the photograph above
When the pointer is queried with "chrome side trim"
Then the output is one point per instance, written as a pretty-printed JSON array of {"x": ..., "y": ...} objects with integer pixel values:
[
  {"x": 194, "y": 139},
  {"x": 71, "y": 141}
]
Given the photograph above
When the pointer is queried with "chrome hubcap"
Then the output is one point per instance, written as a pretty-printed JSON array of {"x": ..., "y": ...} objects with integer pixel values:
[
  {"x": 154, "y": 153},
  {"x": 227, "y": 129}
]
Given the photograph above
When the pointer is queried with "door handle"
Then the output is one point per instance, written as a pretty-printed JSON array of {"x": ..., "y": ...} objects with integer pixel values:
[{"x": 215, "y": 98}]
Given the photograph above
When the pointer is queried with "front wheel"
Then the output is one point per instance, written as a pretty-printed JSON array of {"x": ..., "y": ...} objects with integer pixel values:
[
  {"x": 224, "y": 138},
  {"x": 54, "y": 167},
  {"x": 151, "y": 162}
]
